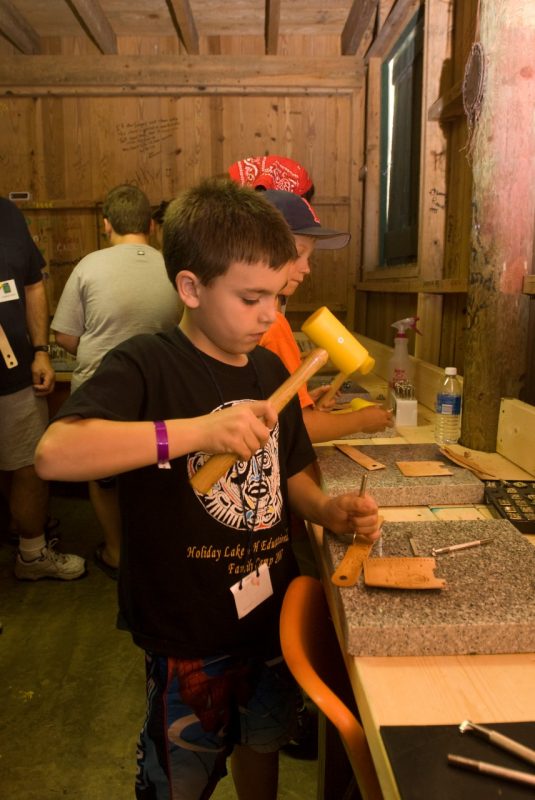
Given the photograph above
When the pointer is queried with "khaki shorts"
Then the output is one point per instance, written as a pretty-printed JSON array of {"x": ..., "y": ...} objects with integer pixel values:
[{"x": 23, "y": 419}]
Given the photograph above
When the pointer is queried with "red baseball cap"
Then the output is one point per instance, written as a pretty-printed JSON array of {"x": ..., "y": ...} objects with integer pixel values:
[{"x": 271, "y": 172}]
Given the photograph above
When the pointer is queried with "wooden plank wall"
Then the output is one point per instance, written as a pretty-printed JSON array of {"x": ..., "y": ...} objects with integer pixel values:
[{"x": 69, "y": 151}]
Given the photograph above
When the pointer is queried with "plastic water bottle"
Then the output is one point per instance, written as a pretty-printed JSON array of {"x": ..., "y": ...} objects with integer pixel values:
[{"x": 448, "y": 409}]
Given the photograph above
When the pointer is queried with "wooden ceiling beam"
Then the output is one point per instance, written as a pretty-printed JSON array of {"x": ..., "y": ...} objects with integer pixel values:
[
  {"x": 357, "y": 23},
  {"x": 16, "y": 28},
  {"x": 184, "y": 23},
  {"x": 141, "y": 75},
  {"x": 399, "y": 17},
  {"x": 273, "y": 15},
  {"x": 95, "y": 23}
]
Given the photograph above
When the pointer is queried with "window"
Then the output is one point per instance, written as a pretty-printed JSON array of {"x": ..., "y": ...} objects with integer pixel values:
[{"x": 401, "y": 105}]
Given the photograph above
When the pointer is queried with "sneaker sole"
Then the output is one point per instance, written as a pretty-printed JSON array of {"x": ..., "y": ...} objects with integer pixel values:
[{"x": 51, "y": 577}]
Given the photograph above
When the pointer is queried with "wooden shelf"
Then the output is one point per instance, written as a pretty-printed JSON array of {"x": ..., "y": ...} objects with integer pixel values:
[
  {"x": 59, "y": 205},
  {"x": 449, "y": 106},
  {"x": 414, "y": 286}
]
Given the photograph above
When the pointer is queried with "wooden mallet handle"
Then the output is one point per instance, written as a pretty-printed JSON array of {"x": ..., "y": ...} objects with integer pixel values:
[
  {"x": 333, "y": 388},
  {"x": 216, "y": 466}
]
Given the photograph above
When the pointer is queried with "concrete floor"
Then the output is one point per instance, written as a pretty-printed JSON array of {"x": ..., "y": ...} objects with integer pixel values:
[{"x": 72, "y": 688}]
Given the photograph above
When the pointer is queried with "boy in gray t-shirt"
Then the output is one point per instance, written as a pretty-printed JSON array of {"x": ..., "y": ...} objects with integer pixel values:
[{"x": 112, "y": 295}]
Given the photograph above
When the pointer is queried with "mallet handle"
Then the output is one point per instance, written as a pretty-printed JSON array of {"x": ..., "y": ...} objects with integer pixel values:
[
  {"x": 216, "y": 466},
  {"x": 333, "y": 388}
]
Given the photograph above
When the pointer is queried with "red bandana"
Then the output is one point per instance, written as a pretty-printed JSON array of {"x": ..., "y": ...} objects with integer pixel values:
[{"x": 271, "y": 172}]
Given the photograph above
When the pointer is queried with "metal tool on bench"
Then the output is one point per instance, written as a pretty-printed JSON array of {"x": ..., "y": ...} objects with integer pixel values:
[
  {"x": 451, "y": 548},
  {"x": 500, "y": 740},
  {"x": 505, "y": 743}
]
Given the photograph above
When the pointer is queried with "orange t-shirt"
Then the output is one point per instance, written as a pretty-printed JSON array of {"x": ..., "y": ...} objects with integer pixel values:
[{"x": 280, "y": 340}]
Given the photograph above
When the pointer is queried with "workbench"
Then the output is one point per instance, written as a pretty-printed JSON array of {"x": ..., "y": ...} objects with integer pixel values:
[{"x": 394, "y": 693}]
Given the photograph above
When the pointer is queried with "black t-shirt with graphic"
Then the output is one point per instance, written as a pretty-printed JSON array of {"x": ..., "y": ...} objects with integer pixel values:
[{"x": 182, "y": 551}]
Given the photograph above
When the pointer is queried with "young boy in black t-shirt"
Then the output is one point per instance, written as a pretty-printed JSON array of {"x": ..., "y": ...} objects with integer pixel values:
[{"x": 202, "y": 577}]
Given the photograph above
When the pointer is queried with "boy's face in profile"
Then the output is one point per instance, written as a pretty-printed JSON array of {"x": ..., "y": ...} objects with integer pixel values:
[
  {"x": 227, "y": 319},
  {"x": 299, "y": 269}
]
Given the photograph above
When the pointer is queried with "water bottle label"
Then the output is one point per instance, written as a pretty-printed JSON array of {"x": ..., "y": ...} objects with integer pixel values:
[{"x": 448, "y": 404}]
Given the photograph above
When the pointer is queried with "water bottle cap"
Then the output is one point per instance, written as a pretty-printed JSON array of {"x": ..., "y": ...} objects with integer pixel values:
[{"x": 451, "y": 370}]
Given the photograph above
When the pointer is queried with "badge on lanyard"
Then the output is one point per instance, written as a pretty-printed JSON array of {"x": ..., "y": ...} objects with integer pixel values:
[
  {"x": 8, "y": 291},
  {"x": 252, "y": 590}
]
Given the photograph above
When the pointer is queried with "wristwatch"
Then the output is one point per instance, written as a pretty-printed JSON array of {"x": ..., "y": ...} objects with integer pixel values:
[{"x": 41, "y": 348}]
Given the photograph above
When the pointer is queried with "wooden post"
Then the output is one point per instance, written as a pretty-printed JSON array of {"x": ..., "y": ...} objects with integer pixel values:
[{"x": 503, "y": 159}]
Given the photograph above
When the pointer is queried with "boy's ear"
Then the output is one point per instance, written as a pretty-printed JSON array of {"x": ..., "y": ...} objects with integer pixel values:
[
  {"x": 107, "y": 227},
  {"x": 187, "y": 285}
]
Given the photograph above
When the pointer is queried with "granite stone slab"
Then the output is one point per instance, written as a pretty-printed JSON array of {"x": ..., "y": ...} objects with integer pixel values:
[
  {"x": 389, "y": 487},
  {"x": 488, "y": 605},
  {"x": 386, "y": 433}
]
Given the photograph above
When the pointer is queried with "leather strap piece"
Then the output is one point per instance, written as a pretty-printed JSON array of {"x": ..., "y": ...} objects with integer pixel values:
[
  {"x": 7, "y": 350},
  {"x": 361, "y": 458},
  {"x": 349, "y": 569}
]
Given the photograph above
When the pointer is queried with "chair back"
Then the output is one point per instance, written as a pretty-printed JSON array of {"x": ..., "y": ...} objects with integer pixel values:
[{"x": 312, "y": 653}]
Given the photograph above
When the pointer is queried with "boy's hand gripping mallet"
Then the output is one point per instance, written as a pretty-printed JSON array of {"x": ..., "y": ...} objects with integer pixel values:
[
  {"x": 216, "y": 466},
  {"x": 347, "y": 354}
]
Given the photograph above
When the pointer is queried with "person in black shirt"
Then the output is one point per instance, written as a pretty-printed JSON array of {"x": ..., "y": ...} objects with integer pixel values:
[
  {"x": 203, "y": 575},
  {"x": 26, "y": 378}
]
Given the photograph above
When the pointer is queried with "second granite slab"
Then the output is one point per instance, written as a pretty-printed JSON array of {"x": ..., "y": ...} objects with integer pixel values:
[{"x": 389, "y": 487}]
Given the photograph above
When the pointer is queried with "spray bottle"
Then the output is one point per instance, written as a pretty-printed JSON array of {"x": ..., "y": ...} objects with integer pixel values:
[{"x": 400, "y": 368}]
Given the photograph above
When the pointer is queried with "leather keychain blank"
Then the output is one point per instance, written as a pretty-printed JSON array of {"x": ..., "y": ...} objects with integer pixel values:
[
  {"x": 360, "y": 457},
  {"x": 350, "y": 567},
  {"x": 7, "y": 351},
  {"x": 402, "y": 573}
]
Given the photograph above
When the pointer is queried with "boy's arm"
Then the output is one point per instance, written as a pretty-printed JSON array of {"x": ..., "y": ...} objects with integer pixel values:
[
  {"x": 79, "y": 449},
  {"x": 323, "y": 426},
  {"x": 347, "y": 513},
  {"x": 68, "y": 342}
]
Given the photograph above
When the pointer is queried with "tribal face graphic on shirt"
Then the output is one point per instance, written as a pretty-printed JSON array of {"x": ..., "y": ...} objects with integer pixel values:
[{"x": 249, "y": 489}]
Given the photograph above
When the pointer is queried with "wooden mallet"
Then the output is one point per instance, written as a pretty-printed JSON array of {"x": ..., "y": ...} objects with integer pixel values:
[
  {"x": 346, "y": 352},
  {"x": 216, "y": 466}
]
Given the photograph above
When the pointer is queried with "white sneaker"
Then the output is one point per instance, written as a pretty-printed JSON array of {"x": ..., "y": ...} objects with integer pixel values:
[{"x": 50, "y": 564}]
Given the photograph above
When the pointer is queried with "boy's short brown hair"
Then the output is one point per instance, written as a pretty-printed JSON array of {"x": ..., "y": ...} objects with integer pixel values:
[
  {"x": 127, "y": 209},
  {"x": 217, "y": 223}
]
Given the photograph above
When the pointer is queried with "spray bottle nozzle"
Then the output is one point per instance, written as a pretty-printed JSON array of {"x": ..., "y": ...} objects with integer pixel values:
[{"x": 403, "y": 325}]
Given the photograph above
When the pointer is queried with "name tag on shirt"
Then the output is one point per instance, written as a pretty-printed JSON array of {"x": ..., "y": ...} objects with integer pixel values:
[
  {"x": 8, "y": 291},
  {"x": 252, "y": 590}
]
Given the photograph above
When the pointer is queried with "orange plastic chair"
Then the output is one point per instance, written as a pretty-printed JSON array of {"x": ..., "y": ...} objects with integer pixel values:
[{"x": 312, "y": 653}]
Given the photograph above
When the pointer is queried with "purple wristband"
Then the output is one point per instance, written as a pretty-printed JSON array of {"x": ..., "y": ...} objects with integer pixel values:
[{"x": 162, "y": 445}]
